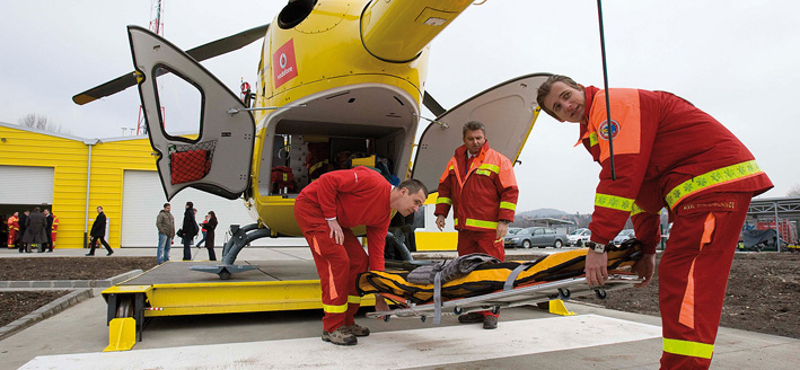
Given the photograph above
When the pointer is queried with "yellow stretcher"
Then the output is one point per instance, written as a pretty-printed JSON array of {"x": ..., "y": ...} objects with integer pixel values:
[{"x": 492, "y": 286}]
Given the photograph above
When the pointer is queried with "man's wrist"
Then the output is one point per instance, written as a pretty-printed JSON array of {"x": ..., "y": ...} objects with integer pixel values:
[
  {"x": 596, "y": 247},
  {"x": 505, "y": 221}
]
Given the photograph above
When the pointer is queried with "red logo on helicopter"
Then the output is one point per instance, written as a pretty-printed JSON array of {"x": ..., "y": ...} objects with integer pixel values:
[
  {"x": 284, "y": 66},
  {"x": 604, "y": 130}
]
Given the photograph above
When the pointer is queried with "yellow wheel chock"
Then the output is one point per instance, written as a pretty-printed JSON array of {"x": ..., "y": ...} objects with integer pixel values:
[
  {"x": 121, "y": 334},
  {"x": 557, "y": 307}
]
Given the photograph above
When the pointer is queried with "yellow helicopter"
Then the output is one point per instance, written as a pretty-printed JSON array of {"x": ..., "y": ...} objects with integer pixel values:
[{"x": 336, "y": 77}]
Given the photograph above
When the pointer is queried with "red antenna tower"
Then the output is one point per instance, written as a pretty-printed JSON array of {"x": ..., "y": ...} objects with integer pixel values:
[{"x": 157, "y": 26}]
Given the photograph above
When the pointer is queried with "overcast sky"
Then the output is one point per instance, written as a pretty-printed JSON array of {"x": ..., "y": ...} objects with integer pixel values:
[{"x": 737, "y": 60}]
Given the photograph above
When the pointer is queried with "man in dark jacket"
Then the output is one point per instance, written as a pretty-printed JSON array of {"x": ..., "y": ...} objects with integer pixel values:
[
  {"x": 23, "y": 220},
  {"x": 34, "y": 230},
  {"x": 189, "y": 230},
  {"x": 48, "y": 246},
  {"x": 99, "y": 233}
]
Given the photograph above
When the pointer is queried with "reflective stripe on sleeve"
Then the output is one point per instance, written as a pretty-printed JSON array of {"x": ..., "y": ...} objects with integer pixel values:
[
  {"x": 490, "y": 167},
  {"x": 508, "y": 205},
  {"x": 686, "y": 348},
  {"x": 593, "y": 139},
  {"x": 613, "y": 202},
  {"x": 354, "y": 299},
  {"x": 709, "y": 179},
  {"x": 443, "y": 200}
]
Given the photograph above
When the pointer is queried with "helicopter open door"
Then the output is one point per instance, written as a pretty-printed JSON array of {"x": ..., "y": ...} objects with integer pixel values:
[
  {"x": 508, "y": 110},
  {"x": 218, "y": 159}
]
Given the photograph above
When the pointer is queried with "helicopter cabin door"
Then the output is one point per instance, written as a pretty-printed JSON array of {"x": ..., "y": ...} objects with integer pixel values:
[
  {"x": 216, "y": 159},
  {"x": 508, "y": 111}
]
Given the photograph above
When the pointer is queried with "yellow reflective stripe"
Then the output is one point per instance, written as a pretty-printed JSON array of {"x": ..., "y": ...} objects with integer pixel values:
[
  {"x": 636, "y": 210},
  {"x": 593, "y": 139},
  {"x": 354, "y": 299},
  {"x": 334, "y": 309},
  {"x": 508, "y": 205},
  {"x": 686, "y": 348},
  {"x": 443, "y": 200},
  {"x": 451, "y": 168},
  {"x": 708, "y": 179},
  {"x": 491, "y": 167},
  {"x": 482, "y": 224},
  {"x": 455, "y": 222},
  {"x": 315, "y": 167},
  {"x": 613, "y": 202},
  {"x": 483, "y": 172}
]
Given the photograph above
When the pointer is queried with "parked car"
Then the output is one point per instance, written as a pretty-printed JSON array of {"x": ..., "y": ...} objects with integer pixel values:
[
  {"x": 623, "y": 236},
  {"x": 513, "y": 230},
  {"x": 579, "y": 237},
  {"x": 535, "y": 237}
]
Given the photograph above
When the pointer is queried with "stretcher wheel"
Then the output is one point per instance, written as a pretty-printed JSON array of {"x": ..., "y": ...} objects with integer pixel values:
[
  {"x": 601, "y": 293},
  {"x": 495, "y": 310},
  {"x": 423, "y": 318},
  {"x": 386, "y": 318},
  {"x": 563, "y": 293},
  {"x": 458, "y": 311}
]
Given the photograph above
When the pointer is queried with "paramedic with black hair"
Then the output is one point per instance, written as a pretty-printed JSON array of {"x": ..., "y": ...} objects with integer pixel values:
[
  {"x": 479, "y": 183},
  {"x": 667, "y": 153},
  {"x": 326, "y": 210}
]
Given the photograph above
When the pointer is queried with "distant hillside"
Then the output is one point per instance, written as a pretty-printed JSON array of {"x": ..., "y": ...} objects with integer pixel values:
[{"x": 544, "y": 213}]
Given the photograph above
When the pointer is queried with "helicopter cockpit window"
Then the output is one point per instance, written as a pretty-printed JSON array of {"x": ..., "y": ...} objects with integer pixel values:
[
  {"x": 295, "y": 12},
  {"x": 180, "y": 104}
]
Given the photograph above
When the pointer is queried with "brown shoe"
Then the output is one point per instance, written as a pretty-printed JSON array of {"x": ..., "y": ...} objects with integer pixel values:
[
  {"x": 490, "y": 322},
  {"x": 471, "y": 318},
  {"x": 339, "y": 337},
  {"x": 356, "y": 330}
]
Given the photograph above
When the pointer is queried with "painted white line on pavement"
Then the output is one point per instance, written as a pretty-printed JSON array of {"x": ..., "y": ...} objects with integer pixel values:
[{"x": 386, "y": 350}]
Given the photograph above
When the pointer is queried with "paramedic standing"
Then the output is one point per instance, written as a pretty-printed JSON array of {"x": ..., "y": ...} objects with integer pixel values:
[
  {"x": 326, "y": 210},
  {"x": 480, "y": 185},
  {"x": 667, "y": 153}
]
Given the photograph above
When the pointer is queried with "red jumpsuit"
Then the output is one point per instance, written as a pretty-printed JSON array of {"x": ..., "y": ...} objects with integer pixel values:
[
  {"x": 54, "y": 231},
  {"x": 13, "y": 230},
  {"x": 353, "y": 197},
  {"x": 482, "y": 191},
  {"x": 668, "y": 153}
]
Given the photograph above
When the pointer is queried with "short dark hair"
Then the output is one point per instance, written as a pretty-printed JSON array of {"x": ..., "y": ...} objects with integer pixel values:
[
  {"x": 190, "y": 204},
  {"x": 413, "y": 186},
  {"x": 101, "y": 207},
  {"x": 166, "y": 205},
  {"x": 544, "y": 90},
  {"x": 473, "y": 126},
  {"x": 36, "y": 209}
]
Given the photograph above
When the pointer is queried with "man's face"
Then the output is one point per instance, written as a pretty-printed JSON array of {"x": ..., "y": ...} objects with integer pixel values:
[
  {"x": 409, "y": 203},
  {"x": 99, "y": 210},
  {"x": 16, "y": 214},
  {"x": 474, "y": 140},
  {"x": 567, "y": 102},
  {"x": 46, "y": 212},
  {"x": 168, "y": 208}
]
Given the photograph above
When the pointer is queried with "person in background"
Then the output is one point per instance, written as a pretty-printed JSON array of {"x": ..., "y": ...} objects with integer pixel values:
[
  {"x": 203, "y": 231},
  {"x": 666, "y": 153},
  {"x": 208, "y": 234},
  {"x": 98, "y": 233},
  {"x": 23, "y": 221},
  {"x": 165, "y": 224},
  {"x": 189, "y": 230},
  {"x": 48, "y": 246},
  {"x": 480, "y": 184},
  {"x": 35, "y": 227},
  {"x": 54, "y": 233}
]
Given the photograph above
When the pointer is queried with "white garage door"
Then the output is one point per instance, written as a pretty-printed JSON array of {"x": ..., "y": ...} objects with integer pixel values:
[
  {"x": 143, "y": 197},
  {"x": 37, "y": 182}
]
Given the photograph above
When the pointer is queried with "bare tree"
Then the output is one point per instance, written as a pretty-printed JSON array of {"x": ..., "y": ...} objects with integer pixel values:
[
  {"x": 40, "y": 122},
  {"x": 794, "y": 191}
]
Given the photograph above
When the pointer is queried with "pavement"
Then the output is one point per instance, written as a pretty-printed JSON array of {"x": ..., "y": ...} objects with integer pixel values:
[{"x": 72, "y": 335}]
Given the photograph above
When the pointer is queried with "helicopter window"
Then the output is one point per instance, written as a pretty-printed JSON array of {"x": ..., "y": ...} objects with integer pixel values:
[
  {"x": 180, "y": 104},
  {"x": 295, "y": 12}
]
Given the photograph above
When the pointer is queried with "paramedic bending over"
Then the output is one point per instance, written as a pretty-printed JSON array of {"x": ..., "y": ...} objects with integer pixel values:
[
  {"x": 326, "y": 210},
  {"x": 480, "y": 185},
  {"x": 667, "y": 153}
]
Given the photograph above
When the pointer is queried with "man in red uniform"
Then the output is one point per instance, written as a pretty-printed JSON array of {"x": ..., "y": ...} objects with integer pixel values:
[
  {"x": 667, "y": 153},
  {"x": 326, "y": 210},
  {"x": 13, "y": 229},
  {"x": 480, "y": 185}
]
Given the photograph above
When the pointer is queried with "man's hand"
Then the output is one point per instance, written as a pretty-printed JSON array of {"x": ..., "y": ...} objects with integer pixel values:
[
  {"x": 645, "y": 268},
  {"x": 380, "y": 305},
  {"x": 502, "y": 230},
  {"x": 440, "y": 222},
  {"x": 596, "y": 270},
  {"x": 336, "y": 232}
]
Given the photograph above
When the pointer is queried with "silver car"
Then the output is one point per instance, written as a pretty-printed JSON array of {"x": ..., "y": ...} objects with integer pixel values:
[{"x": 535, "y": 237}]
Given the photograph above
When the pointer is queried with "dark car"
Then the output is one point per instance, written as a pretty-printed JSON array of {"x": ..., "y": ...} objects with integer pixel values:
[{"x": 535, "y": 237}]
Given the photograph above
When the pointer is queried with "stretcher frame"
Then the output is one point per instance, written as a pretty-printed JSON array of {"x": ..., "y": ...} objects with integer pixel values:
[{"x": 527, "y": 295}]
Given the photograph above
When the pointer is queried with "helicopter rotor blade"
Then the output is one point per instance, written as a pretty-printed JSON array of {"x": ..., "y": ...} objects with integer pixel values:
[
  {"x": 432, "y": 105},
  {"x": 200, "y": 53}
]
